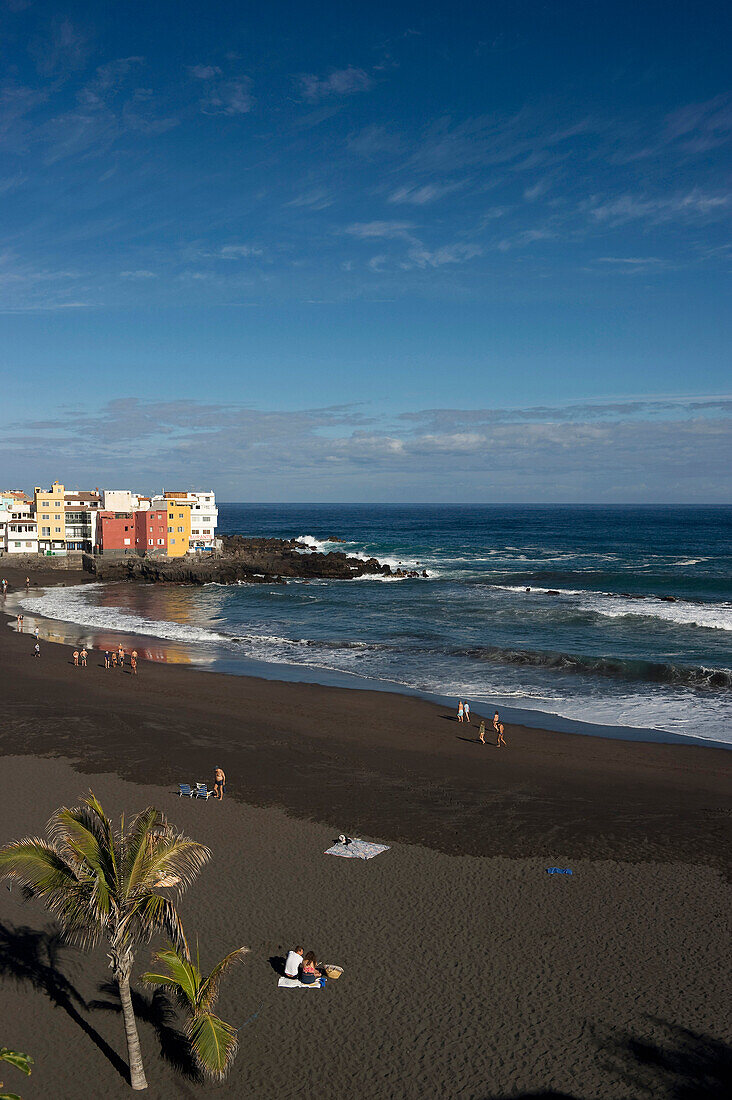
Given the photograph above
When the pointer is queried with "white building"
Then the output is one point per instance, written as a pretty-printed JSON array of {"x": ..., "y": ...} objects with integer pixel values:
[
  {"x": 81, "y": 509},
  {"x": 204, "y": 516},
  {"x": 21, "y": 535},
  {"x": 117, "y": 500}
]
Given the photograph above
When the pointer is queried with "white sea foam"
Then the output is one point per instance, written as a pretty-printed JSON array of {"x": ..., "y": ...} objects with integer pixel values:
[
  {"x": 73, "y": 605},
  {"x": 717, "y": 616}
]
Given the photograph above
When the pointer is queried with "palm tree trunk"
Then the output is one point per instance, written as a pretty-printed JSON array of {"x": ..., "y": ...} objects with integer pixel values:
[{"x": 134, "y": 1054}]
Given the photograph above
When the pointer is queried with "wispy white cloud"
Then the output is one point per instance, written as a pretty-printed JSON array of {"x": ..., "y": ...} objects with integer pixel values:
[
  {"x": 385, "y": 230},
  {"x": 141, "y": 273},
  {"x": 315, "y": 199},
  {"x": 340, "y": 82},
  {"x": 449, "y": 254},
  {"x": 228, "y": 97},
  {"x": 421, "y": 195}
]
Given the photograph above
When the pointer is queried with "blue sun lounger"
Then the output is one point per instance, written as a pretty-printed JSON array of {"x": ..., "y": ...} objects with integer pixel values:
[{"x": 185, "y": 789}]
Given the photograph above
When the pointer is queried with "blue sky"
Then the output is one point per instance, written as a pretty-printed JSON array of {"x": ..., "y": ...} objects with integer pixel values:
[{"x": 307, "y": 251}]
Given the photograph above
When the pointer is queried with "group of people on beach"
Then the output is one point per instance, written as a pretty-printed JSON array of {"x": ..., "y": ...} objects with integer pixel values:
[
  {"x": 116, "y": 659},
  {"x": 463, "y": 715},
  {"x": 304, "y": 968}
]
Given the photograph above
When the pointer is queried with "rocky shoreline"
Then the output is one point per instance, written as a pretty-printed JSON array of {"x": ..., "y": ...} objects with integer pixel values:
[{"x": 249, "y": 560}]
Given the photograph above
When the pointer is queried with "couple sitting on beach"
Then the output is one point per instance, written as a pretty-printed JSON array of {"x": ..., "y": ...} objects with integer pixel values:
[{"x": 304, "y": 968}]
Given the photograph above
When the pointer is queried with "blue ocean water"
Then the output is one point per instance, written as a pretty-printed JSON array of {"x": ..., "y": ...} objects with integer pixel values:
[{"x": 619, "y": 616}]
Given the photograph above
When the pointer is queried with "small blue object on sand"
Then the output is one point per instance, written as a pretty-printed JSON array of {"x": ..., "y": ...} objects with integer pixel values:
[{"x": 558, "y": 871}]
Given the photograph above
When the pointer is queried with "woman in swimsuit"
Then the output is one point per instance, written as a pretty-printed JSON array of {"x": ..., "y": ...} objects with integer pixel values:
[
  {"x": 309, "y": 973},
  {"x": 501, "y": 740}
]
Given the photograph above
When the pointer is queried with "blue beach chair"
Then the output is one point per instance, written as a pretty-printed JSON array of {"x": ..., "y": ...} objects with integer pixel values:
[
  {"x": 202, "y": 791},
  {"x": 185, "y": 789}
]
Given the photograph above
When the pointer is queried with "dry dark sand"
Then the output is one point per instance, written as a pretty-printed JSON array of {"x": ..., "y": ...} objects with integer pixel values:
[{"x": 469, "y": 972}]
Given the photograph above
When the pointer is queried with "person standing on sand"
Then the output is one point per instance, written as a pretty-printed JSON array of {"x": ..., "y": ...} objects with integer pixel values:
[
  {"x": 219, "y": 783},
  {"x": 133, "y": 662},
  {"x": 76, "y": 658},
  {"x": 107, "y": 659},
  {"x": 36, "y": 650},
  {"x": 481, "y": 733},
  {"x": 27, "y": 582},
  {"x": 501, "y": 740},
  {"x": 496, "y": 721},
  {"x": 83, "y": 656},
  {"x": 460, "y": 711},
  {"x": 114, "y": 658},
  {"x": 5, "y": 587},
  {"x": 121, "y": 657},
  {"x": 35, "y": 633},
  {"x": 466, "y": 712}
]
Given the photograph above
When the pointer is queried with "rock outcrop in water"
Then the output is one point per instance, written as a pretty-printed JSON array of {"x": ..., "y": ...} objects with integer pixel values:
[{"x": 262, "y": 561}]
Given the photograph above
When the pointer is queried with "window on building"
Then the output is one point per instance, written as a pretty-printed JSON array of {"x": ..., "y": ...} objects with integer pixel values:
[
  {"x": 46, "y": 531},
  {"x": 57, "y": 530},
  {"x": 170, "y": 530},
  {"x": 180, "y": 515},
  {"x": 173, "y": 541},
  {"x": 127, "y": 542},
  {"x": 180, "y": 530},
  {"x": 161, "y": 542},
  {"x": 44, "y": 517},
  {"x": 17, "y": 544},
  {"x": 151, "y": 542}
]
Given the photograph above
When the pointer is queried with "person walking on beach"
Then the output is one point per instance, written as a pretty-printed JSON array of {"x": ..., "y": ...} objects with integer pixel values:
[
  {"x": 466, "y": 712},
  {"x": 460, "y": 711},
  {"x": 219, "y": 783},
  {"x": 83, "y": 656},
  {"x": 76, "y": 658},
  {"x": 36, "y": 650},
  {"x": 107, "y": 659},
  {"x": 5, "y": 587},
  {"x": 501, "y": 739},
  {"x": 35, "y": 633},
  {"x": 114, "y": 658},
  {"x": 133, "y": 662},
  {"x": 496, "y": 721},
  {"x": 27, "y": 582},
  {"x": 121, "y": 657},
  {"x": 481, "y": 733}
]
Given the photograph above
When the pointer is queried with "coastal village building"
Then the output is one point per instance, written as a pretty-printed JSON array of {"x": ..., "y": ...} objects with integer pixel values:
[
  {"x": 21, "y": 536},
  {"x": 144, "y": 532},
  {"x": 50, "y": 509},
  {"x": 58, "y": 521},
  {"x": 82, "y": 509},
  {"x": 179, "y": 523},
  {"x": 204, "y": 516},
  {"x": 18, "y": 531}
]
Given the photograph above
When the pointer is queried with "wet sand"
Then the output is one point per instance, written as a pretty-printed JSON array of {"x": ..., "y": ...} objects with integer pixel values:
[{"x": 532, "y": 984}]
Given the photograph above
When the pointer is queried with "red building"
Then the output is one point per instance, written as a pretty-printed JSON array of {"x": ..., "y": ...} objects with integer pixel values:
[
  {"x": 132, "y": 532},
  {"x": 151, "y": 531}
]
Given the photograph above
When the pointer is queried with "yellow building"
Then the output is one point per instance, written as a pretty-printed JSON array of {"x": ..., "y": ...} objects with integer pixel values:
[
  {"x": 50, "y": 515},
  {"x": 179, "y": 528}
]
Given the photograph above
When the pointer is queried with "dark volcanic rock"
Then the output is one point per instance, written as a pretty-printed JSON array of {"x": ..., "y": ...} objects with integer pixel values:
[{"x": 259, "y": 561}]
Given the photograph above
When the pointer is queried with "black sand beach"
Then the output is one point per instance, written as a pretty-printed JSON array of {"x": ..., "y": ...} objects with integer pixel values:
[{"x": 469, "y": 971}]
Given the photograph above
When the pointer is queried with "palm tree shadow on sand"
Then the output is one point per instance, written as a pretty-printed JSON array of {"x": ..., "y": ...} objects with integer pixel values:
[
  {"x": 674, "y": 1063},
  {"x": 156, "y": 1010},
  {"x": 29, "y": 956}
]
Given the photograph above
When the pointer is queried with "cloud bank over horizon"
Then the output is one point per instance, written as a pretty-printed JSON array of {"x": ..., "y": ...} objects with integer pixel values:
[{"x": 607, "y": 452}]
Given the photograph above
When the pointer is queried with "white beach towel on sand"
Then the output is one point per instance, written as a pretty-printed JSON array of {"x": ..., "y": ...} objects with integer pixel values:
[
  {"x": 295, "y": 983},
  {"x": 357, "y": 849}
]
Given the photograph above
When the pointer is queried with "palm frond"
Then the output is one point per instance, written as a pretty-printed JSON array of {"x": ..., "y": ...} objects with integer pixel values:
[
  {"x": 138, "y": 846},
  {"x": 23, "y": 1062},
  {"x": 209, "y": 990},
  {"x": 37, "y": 865},
  {"x": 154, "y": 913},
  {"x": 175, "y": 862},
  {"x": 214, "y": 1044},
  {"x": 182, "y": 978}
]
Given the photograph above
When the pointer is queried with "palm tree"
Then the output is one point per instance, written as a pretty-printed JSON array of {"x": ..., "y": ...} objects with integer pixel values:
[
  {"x": 103, "y": 883},
  {"x": 213, "y": 1042}
]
